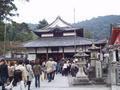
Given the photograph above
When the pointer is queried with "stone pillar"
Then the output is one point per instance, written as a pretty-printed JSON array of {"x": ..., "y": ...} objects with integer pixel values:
[
  {"x": 114, "y": 56},
  {"x": 118, "y": 74},
  {"x": 109, "y": 76},
  {"x": 93, "y": 62},
  {"x": 93, "y": 58},
  {"x": 98, "y": 69},
  {"x": 113, "y": 73},
  {"x": 101, "y": 56},
  {"x": 112, "y": 67}
]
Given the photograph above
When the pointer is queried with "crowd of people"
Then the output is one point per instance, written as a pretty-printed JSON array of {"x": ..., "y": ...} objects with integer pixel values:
[{"x": 21, "y": 74}]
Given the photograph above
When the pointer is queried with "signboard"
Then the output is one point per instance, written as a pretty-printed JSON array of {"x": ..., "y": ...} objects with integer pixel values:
[{"x": 31, "y": 57}]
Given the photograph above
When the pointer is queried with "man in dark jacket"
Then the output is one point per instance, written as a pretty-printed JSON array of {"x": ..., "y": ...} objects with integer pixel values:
[{"x": 3, "y": 73}]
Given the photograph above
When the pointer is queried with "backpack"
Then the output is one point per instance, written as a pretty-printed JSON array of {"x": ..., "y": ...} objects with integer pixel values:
[{"x": 17, "y": 76}]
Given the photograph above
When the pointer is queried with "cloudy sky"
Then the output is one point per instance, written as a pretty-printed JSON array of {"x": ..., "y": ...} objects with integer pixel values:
[{"x": 36, "y": 10}]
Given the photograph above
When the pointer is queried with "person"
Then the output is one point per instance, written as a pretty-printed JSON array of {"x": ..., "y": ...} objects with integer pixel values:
[
  {"x": 49, "y": 69},
  {"x": 20, "y": 76},
  {"x": 11, "y": 68},
  {"x": 30, "y": 73},
  {"x": 58, "y": 68},
  {"x": 74, "y": 69},
  {"x": 3, "y": 73},
  {"x": 37, "y": 72},
  {"x": 64, "y": 69},
  {"x": 54, "y": 66}
]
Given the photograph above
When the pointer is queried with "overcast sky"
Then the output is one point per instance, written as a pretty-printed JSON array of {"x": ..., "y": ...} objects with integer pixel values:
[{"x": 36, "y": 10}]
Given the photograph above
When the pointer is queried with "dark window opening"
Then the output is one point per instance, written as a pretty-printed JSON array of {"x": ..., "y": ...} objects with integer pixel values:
[{"x": 55, "y": 49}]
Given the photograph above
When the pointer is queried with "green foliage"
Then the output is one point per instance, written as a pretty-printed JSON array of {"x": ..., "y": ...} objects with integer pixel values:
[
  {"x": 19, "y": 32},
  {"x": 6, "y": 9},
  {"x": 42, "y": 24},
  {"x": 15, "y": 32}
]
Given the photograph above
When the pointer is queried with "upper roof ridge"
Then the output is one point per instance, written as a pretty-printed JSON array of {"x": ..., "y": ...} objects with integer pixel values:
[{"x": 58, "y": 22}]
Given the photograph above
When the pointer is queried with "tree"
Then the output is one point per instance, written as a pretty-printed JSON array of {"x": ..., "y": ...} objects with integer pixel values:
[
  {"x": 7, "y": 9},
  {"x": 42, "y": 24},
  {"x": 19, "y": 32}
]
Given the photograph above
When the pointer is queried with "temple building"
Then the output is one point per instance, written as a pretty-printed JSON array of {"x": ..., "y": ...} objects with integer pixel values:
[
  {"x": 115, "y": 35},
  {"x": 59, "y": 40}
]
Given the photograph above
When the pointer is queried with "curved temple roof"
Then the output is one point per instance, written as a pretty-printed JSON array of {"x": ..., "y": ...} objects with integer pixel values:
[
  {"x": 60, "y": 41},
  {"x": 58, "y": 23}
]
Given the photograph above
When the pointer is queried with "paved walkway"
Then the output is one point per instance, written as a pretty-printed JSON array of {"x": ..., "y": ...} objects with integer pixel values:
[{"x": 61, "y": 82}]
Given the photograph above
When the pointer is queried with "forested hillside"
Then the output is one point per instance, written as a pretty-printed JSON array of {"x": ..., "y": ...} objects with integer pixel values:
[{"x": 99, "y": 27}]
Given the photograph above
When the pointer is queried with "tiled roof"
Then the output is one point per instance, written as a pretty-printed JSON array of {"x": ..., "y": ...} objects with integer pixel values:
[
  {"x": 58, "y": 23},
  {"x": 59, "y": 41}
]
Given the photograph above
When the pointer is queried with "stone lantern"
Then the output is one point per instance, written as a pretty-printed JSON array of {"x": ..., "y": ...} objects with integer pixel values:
[
  {"x": 94, "y": 54},
  {"x": 95, "y": 61},
  {"x": 81, "y": 77}
]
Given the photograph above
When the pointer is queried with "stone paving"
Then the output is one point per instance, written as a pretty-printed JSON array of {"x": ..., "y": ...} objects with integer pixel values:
[{"x": 62, "y": 82}]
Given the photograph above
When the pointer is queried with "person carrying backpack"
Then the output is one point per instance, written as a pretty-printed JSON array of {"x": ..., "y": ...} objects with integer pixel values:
[{"x": 20, "y": 76}]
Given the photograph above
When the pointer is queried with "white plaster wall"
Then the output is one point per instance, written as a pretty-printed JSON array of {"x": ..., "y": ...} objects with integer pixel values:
[
  {"x": 30, "y": 50},
  {"x": 47, "y": 35},
  {"x": 69, "y": 34}
]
